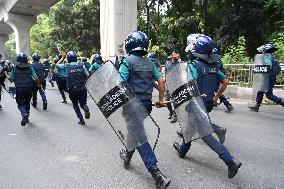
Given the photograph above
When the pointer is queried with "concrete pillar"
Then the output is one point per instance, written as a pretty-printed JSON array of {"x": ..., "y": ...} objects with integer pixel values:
[
  {"x": 118, "y": 18},
  {"x": 3, "y": 39},
  {"x": 21, "y": 25}
]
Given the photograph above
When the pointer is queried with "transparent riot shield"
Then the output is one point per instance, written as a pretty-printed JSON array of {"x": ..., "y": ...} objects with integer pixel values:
[
  {"x": 189, "y": 106},
  {"x": 260, "y": 74},
  {"x": 123, "y": 110}
]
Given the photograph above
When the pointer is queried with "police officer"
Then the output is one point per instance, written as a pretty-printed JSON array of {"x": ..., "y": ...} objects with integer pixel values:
[
  {"x": 139, "y": 72},
  {"x": 222, "y": 98},
  {"x": 3, "y": 75},
  {"x": 23, "y": 75},
  {"x": 86, "y": 63},
  {"x": 270, "y": 60},
  {"x": 47, "y": 67},
  {"x": 41, "y": 74},
  {"x": 61, "y": 70},
  {"x": 77, "y": 75},
  {"x": 96, "y": 63},
  {"x": 208, "y": 77},
  {"x": 175, "y": 58}
]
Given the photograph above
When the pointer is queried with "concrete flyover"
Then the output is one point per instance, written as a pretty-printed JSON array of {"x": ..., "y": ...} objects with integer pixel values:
[{"x": 116, "y": 18}]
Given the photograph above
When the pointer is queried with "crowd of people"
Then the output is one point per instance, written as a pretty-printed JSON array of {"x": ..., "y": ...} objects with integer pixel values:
[{"x": 142, "y": 71}]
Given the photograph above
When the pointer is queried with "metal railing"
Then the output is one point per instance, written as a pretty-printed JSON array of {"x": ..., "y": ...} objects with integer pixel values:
[{"x": 242, "y": 74}]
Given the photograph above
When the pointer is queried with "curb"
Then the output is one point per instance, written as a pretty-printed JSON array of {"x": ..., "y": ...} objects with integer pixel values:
[{"x": 247, "y": 93}]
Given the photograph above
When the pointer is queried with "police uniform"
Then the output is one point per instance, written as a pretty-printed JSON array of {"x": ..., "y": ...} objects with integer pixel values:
[
  {"x": 271, "y": 61},
  {"x": 97, "y": 62},
  {"x": 208, "y": 78},
  {"x": 23, "y": 76},
  {"x": 41, "y": 74},
  {"x": 139, "y": 72},
  {"x": 77, "y": 75},
  {"x": 62, "y": 80}
]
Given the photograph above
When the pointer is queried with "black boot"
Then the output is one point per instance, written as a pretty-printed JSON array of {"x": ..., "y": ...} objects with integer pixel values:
[
  {"x": 254, "y": 107},
  {"x": 177, "y": 148},
  {"x": 25, "y": 120},
  {"x": 221, "y": 134},
  {"x": 1, "y": 107},
  {"x": 64, "y": 101},
  {"x": 44, "y": 106},
  {"x": 230, "y": 108},
  {"x": 126, "y": 157},
  {"x": 233, "y": 167},
  {"x": 161, "y": 180},
  {"x": 179, "y": 133},
  {"x": 87, "y": 112},
  {"x": 81, "y": 122}
]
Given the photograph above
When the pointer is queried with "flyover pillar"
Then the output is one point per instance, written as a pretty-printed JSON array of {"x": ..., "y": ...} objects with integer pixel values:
[
  {"x": 3, "y": 39},
  {"x": 21, "y": 25},
  {"x": 118, "y": 18}
]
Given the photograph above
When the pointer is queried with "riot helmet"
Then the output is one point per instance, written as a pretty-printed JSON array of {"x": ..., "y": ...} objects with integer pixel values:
[
  {"x": 72, "y": 56},
  {"x": 35, "y": 57},
  {"x": 97, "y": 58},
  {"x": 137, "y": 42}
]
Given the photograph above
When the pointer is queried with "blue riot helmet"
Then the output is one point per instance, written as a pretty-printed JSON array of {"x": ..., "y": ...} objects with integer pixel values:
[
  {"x": 204, "y": 45},
  {"x": 22, "y": 58},
  {"x": 97, "y": 58},
  {"x": 36, "y": 57},
  {"x": 267, "y": 48},
  {"x": 72, "y": 56},
  {"x": 137, "y": 42}
]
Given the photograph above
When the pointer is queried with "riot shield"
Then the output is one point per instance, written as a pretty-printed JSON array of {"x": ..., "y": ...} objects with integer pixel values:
[
  {"x": 123, "y": 110},
  {"x": 260, "y": 74},
  {"x": 188, "y": 103}
]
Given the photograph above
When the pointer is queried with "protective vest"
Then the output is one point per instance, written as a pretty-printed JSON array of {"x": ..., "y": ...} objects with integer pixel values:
[
  {"x": 23, "y": 77},
  {"x": 140, "y": 76},
  {"x": 76, "y": 76},
  {"x": 207, "y": 81},
  {"x": 39, "y": 69}
]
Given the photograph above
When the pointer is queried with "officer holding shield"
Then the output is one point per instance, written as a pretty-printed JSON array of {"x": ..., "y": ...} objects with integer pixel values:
[
  {"x": 139, "y": 72},
  {"x": 202, "y": 67},
  {"x": 267, "y": 59}
]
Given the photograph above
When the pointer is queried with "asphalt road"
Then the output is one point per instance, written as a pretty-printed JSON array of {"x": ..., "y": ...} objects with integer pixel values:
[{"x": 53, "y": 151}]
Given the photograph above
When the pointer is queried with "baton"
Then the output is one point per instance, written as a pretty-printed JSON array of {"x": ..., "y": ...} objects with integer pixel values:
[
  {"x": 171, "y": 101},
  {"x": 39, "y": 85},
  {"x": 73, "y": 44}
]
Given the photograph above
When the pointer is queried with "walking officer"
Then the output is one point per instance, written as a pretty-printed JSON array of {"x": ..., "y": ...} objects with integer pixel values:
[
  {"x": 139, "y": 72},
  {"x": 274, "y": 70},
  {"x": 77, "y": 75},
  {"x": 204, "y": 70},
  {"x": 23, "y": 75},
  {"x": 41, "y": 74}
]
